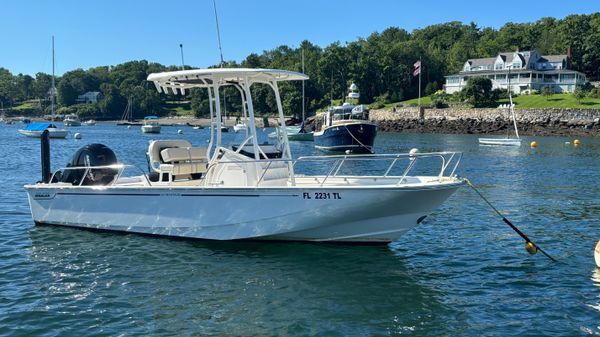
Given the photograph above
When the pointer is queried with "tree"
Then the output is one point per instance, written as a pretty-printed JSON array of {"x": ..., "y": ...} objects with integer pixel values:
[
  {"x": 547, "y": 92},
  {"x": 478, "y": 92},
  {"x": 431, "y": 88},
  {"x": 579, "y": 94}
]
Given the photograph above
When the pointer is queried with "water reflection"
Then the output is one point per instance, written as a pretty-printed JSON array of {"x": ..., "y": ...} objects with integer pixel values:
[{"x": 283, "y": 287}]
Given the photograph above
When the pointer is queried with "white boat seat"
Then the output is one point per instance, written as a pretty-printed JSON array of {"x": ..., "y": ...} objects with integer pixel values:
[
  {"x": 176, "y": 159},
  {"x": 176, "y": 154}
]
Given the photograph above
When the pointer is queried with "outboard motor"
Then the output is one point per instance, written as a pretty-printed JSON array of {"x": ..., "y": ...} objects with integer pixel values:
[{"x": 89, "y": 156}]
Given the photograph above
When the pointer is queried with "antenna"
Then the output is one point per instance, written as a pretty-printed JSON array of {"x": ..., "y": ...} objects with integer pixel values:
[
  {"x": 53, "y": 87},
  {"x": 303, "y": 108},
  {"x": 218, "y": 32},
  {"x": 182, "y": 63}
]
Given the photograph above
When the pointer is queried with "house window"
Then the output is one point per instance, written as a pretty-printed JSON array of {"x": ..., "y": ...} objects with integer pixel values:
[{"x": 498, "y": 66}]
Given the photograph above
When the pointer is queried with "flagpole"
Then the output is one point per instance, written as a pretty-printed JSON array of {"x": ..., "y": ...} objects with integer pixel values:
[{"x": 420, "y": 71}]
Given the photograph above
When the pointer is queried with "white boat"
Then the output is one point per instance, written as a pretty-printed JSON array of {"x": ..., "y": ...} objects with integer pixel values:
[
  {"x": 72, "y": 120},
  {"x": 500, "y": 141},
  {"x": 294, "y": 132},
  {"x": 151, "y": 125},
  {"x": 506, "y": 141},
  {"x": 89, "y": 122},
  {"x": 218, "y": 193},
  {"x": 35, "y": 130},
  {"x": 240, "y": 127}
]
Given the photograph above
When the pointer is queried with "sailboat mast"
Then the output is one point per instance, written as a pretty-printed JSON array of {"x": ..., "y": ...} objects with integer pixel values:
[
  {"x": 303, "y": 109},
  {"x": 512, "y": 110},
  {"x": 53, "y": 87}
]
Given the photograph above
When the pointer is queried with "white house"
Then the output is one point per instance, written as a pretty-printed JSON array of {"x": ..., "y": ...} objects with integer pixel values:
[
  {"x": 523, "y": 71},
  {"x": 89, "y": 97}
]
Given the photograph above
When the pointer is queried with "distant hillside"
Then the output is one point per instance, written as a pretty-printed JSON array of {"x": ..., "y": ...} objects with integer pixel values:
[{"x": 380, "y": 64}]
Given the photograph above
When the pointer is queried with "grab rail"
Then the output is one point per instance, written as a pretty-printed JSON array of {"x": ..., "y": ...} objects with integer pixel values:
[
  {"x": 446, "y": 158},
  {"x": 120, "y": 168}
]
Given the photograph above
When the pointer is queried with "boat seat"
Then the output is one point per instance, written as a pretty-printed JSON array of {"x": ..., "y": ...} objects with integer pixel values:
[
  {"x": 175, "y": 154},
  {"x": 173, "y": 159}
]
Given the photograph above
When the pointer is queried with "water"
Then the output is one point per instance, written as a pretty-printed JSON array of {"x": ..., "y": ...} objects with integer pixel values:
[{"x": 461, "y": 273}]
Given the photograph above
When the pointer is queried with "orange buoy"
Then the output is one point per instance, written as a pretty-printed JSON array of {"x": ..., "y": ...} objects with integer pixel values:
[
  {"x": 533, "y": 144},
  {"x": 576, "y": 142}
]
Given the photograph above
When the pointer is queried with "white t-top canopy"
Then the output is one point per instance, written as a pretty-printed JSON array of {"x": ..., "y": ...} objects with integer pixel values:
[{"x": 202, "y": 78}]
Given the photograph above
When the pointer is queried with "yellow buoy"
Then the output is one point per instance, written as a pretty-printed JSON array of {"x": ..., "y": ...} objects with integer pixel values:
[
  {"x": 531, "y": 248},
  {"x": 576, "y": 142},
  {"x": 597, "y": 254},
  {"x": 533, "y": 144}
]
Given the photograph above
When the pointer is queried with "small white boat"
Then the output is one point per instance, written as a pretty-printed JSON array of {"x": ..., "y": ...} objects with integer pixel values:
[
  {"x": 500, "y": 141},
  {"x": 72, "y": 120},
  {"x": 507, "y": 141},
  {"x": 296, "y": 133},
  {"x": 222, "y": 193},
  {"x": 151, "y": 125},
  {"x": 240, "y": 127},
  {"x": 89, "y": 122},
  {"x": 34, "y": 130}
]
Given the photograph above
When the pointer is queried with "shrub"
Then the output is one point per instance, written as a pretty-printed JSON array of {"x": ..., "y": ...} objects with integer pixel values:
[
  {"x": 579, "y": 94},
  {"x": 547, "y": 92}
]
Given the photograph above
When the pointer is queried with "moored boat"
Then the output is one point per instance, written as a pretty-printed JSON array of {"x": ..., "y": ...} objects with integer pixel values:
[
  {"x": 34, "y": 130},
  {"x": 151, "y": 125},
  {"x": 89, "y": 122},
  {"x": 507, "y": 141},
  {"x": 72, "y": 120},
  {"x": 346, "y": 128},
  {"x": 222, "y": 193},
  {"x": 239, "y": 127}
]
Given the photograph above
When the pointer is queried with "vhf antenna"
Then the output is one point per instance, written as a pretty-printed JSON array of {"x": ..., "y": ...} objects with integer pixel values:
[{"x": 218, "y": 33}]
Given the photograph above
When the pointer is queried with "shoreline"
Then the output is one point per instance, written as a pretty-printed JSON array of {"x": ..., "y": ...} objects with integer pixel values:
[{"x": 530, "y": 122}]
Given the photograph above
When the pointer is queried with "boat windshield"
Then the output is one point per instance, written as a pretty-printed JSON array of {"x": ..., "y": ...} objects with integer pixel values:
[{"x": 345, "y": 112}]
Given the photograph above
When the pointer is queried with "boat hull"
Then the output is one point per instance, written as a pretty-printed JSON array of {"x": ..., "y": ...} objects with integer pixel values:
[
  {"x": 355, "y": 137},
  {"x": 71, "y": 123},
  {"x": 378, "y": 214},
  {"x": 500, "y": 141},
  {"x": 52, "y": 133},
  {"x": 151, "y": 128}
]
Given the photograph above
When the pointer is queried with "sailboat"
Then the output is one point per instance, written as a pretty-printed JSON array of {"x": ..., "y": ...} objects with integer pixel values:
[
  {"x": 508, "y": 141},
  {"x": 35, "y": 130},
  {"x": 127, "y": 117}
]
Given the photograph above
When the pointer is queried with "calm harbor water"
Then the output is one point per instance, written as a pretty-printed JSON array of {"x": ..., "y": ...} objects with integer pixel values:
[{"x": 461, "y": 273}]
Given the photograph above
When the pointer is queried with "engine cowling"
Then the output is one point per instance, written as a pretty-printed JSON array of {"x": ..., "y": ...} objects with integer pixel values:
[{"x": 91, "y": 155}]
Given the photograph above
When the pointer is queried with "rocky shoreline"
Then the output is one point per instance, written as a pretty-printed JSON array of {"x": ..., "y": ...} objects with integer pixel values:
[{"x": 534, "y": 122}]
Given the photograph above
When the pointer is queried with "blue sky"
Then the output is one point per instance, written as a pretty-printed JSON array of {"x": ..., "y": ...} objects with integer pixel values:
[{"x": 109, "y": 32}]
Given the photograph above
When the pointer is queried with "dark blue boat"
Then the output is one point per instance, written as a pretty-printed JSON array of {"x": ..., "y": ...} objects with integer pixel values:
[{"x": 346, "y": 128}]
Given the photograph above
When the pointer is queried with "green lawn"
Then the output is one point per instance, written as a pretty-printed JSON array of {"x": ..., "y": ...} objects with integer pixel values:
[
  {"x": 554, "y": 101},
  {"x": 180, "y": 108},
  {"x": 425, "y": 100},
  {"x": 28, "y": 105},
  {"x": 530, "y": 101}
]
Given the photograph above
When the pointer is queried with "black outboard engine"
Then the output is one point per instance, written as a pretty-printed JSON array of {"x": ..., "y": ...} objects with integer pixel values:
[{"x": 89, "y": 156}]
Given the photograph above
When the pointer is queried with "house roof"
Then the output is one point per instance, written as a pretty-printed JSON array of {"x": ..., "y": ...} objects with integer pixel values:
[
  {"x": 553, "y": 58},
  {"x": 481, "y": 62}
]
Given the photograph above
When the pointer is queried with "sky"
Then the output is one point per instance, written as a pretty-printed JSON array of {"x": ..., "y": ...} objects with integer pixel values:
[{"x": 108, "y": 32}]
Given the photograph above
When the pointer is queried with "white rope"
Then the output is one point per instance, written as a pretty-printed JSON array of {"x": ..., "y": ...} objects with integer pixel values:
[{"x": 370, "y": 149}]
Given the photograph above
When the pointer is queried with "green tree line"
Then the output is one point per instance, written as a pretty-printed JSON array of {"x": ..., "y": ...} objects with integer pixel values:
[{"x": 380, "y": 64}]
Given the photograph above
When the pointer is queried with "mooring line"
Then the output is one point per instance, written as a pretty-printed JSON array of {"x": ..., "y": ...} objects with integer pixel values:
[{"x": 530, "y": 246}]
